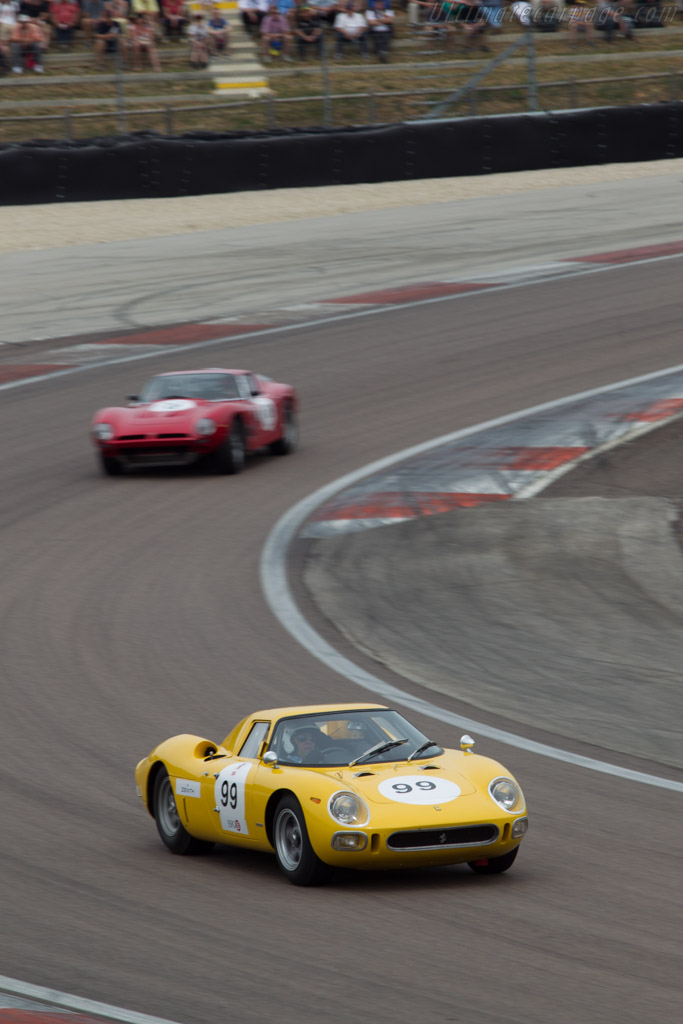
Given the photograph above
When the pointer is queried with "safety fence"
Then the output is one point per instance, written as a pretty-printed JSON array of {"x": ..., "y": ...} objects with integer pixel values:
[{"x": 338, "y": 109}]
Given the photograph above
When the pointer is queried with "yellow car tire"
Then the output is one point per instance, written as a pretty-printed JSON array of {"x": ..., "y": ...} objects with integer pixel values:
[
  {"x": 293, "y": 850},
  {"x": 169, "y": 825}
]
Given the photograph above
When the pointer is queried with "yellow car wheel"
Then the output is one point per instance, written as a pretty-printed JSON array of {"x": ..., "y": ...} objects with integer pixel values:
[
  {"x": 169, "y": 825},
  {"x": 293, "y": 848},
  {"x": 493, "y": 865}
]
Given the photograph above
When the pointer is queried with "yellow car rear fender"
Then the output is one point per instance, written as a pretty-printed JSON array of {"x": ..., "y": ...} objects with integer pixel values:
[{"x": 181, "y": 756}]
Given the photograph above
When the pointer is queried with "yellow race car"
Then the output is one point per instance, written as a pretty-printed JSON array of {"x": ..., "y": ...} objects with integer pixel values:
[{"x": 334, "y": 785}]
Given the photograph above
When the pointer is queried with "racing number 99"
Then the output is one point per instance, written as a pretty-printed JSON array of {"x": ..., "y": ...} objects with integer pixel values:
[
  {"x": 229, "y": 794},
  {"x": 404, "y": 787}
]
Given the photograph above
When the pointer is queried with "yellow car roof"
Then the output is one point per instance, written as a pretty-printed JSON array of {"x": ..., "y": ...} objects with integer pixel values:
[{"x": 312, "y": 709}]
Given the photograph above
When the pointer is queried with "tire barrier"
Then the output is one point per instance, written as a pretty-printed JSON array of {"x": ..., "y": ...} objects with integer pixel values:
[{"x": 149, "y": 165}]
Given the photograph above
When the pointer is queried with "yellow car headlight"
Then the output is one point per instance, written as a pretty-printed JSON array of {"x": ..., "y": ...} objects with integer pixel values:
[
  {"x": 348, "y": 809},
  {"x": 507, "y": 795}
]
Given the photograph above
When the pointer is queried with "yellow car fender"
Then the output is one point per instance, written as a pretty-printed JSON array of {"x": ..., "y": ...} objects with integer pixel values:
[
  {"x": 183, "y": 756},
  {"x": 312, "y": 788}
]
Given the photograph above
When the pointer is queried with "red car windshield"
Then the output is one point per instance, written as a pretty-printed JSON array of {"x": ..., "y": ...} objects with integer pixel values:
[{"x": 211, "y": 387}]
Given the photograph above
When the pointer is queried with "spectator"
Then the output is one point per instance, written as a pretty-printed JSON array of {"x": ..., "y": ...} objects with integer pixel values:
[
  {"x": 26, "y": 41},
  {"x": 493, "y": 12},
  {"x": 523, "y": 12},
  {"x": 148, "y": 7},
  {"x": 580, "y": 22},
  {"x": 350, "y": 27},
  {"x": 34, "y": 8},
  {"x": 414, "y": 14},
  {"x": 308, "y": 32},
  {"x": 198, "y": 34},
  {"x": 276, "y": 34},
  {"x": 547, "y": 16},
  {"x": 45, "y": 25},
  {"x": 107, "y": 35},
  {"x": 468, "y": 14},
  {"x": 288, "y": 8},
  {"x": 612, "y": 19},
  {"x": 92, "y": 12},
  {"x": 648, "y": 14},
  {"x": 439, "y": 19},
  {"x": 380, "y": 21},
  {"x": 64, "y": 15},
  {"x": 120, "y": 13},
  {"x": 9, "y": 9},
  {"x": 173, "y": 17},
  {"x": 219, "y": 33},
  {"x": 253, "y": 12},
  {"x": 142, "y": 41},
  {"x": 327, "y": 10}
]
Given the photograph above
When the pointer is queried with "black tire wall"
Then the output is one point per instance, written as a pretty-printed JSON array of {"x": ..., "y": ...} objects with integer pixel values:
[{"x": 147, "y": 165}]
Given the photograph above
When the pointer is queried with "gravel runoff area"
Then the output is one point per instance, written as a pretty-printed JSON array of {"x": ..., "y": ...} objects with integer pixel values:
[
  {"x": 572, "y": 599},
  {"x": 51, "y": 225}
]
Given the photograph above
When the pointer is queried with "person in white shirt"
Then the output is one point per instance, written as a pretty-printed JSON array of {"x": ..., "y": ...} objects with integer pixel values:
[
  {"x": 198, "y": 35},
  {"x": 252, "y": 13},
  {"x": 9, "y": 9},
  {"x": 381, "y": 24},
  {"x": 350, "y": 27},
  {"x": 523, "y": 11}
]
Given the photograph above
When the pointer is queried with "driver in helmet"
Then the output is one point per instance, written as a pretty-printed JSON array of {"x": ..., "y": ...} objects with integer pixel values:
[{"x": 306, "y": 742}]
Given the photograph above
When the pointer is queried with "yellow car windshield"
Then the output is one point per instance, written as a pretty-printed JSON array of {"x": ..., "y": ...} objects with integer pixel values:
[{"x": 345, "y": 738}]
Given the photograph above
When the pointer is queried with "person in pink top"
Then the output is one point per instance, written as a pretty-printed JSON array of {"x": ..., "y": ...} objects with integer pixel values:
[
  {"x": 142, "y": 41},
  {"x": 276, "y": 34},
  {"x": 64, "y": 15}
]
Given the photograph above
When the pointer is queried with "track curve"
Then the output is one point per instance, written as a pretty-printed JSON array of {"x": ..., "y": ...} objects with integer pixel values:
[{"x": 131, "y": 610}]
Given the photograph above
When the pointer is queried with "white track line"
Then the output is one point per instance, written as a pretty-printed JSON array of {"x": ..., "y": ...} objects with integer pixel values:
[
  {"x": 374, "y": 311},
  {"x": 53, "y": 998},
  {"x": 274, "y": 581}
]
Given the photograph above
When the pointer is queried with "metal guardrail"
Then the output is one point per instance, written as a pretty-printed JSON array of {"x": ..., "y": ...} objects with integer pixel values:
[{"x": 270, "y": 111}]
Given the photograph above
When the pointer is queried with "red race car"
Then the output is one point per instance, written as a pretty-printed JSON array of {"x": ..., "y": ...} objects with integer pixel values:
[{"x": 217, "y": 415}]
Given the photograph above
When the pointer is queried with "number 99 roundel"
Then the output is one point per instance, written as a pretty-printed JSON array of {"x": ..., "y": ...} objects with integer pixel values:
[
  {"x": 418, "y": 789},
  {"x": 229, "y": 796}
]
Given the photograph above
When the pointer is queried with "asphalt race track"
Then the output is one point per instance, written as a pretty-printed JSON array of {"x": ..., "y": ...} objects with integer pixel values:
[{"x": 131, "y": 610}]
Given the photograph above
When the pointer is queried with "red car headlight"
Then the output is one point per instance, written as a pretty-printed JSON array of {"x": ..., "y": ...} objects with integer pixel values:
[{"x": 205, "y": 427}]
